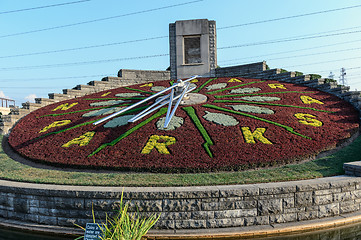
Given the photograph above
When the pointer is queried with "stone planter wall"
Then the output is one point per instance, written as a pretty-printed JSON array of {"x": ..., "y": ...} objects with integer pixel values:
[{"x": 185, "y": 207}]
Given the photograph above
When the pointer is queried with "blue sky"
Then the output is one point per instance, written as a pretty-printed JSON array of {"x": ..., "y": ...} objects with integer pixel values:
[{"x": 119, "y": 23}]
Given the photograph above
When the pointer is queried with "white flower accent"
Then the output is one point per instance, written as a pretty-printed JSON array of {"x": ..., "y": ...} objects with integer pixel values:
[
  {"x": 251, "y": 109},
  {"x": 174, "y": 123},
  {"x": 221, "y": 119},
  {"x": 128, "y": 95},
  {"x": 119, "y": 121},
  {"x": 158, "y": 88},
  {"x": 107, "y": 103},
  {"x": 192, "y": 85},
  {"x": 260, "y": 99},
  {"x": 217, "y": 86},
  {"x": 245, "y": 90},
  {"x": 105, "y": 111}
]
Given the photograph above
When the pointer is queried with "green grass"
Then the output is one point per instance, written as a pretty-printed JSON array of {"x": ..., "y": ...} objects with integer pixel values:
[{"x": 323, "y": 167}]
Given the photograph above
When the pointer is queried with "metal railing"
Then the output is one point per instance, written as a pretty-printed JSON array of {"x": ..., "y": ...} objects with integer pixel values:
[{"x": 7, "y": 102}]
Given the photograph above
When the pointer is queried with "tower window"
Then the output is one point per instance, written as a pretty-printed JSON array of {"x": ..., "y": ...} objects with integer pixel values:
[{"x": 192, "y": 49}]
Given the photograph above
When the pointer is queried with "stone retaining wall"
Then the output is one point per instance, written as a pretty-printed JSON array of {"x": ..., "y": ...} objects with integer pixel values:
[
  {"x": 241, "y": 70},
  {"x": 185, "y": 207},
  {"x": 140, "y": 76}
]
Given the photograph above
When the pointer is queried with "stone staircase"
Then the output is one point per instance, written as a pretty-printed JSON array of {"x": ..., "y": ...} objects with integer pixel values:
[
  {"x": 131, "y": 77},
  {"x": 125, "y": 78}
]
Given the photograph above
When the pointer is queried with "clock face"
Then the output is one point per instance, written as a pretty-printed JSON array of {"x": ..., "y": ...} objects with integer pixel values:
[{"x": 244, "y": 123}]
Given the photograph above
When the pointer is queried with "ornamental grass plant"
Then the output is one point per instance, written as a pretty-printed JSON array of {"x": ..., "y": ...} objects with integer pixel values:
[{"x": 125, "y": 225}]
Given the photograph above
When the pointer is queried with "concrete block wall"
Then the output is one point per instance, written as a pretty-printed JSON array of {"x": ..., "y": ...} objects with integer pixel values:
[
  {"x": 241, "y": 70},
  {"x": 185, "y": 207},
  {"x": 140, "y": 76}
]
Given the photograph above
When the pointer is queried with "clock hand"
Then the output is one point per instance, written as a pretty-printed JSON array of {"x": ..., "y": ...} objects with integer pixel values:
[
  {"x": 153, "y": 107},
  {"x": 179, "y": 83}
]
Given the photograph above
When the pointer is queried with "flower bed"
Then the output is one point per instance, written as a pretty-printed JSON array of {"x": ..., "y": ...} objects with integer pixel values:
[{"x": 245, "y": 123}]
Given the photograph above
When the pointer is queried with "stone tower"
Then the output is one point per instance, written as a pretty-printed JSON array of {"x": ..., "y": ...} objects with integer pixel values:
[{"x": 193, "y": 48}]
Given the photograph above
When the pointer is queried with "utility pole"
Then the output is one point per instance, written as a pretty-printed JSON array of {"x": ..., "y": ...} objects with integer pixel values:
[
  {"x": 343, "y": 80},
  {"x": 331, "y": 75}
]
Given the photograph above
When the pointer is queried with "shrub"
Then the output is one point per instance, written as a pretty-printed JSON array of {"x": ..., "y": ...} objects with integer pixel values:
[{"x": 125, "y": 225}]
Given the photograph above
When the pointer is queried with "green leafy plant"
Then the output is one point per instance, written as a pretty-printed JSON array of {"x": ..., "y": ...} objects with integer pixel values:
[{"x": 125, "y": 225}]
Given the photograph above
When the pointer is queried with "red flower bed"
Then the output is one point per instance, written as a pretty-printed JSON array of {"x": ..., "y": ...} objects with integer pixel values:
[{"x": 297, "y": 122}]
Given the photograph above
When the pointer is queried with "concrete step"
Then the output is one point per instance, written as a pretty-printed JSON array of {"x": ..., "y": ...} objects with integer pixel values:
[
  {"x": 44, "y": 101},
  {"x": 7, "y": 119},
  {"x": 112, "y": 79},
  {"x": 263, "y": 74},
  {"x": 351, "y": 96},
  {"x": 315, "y": 83},
  {"x": 19, "y": 112},
  {"x": 284, "y": 76},
  {"x": 74, "y": 92},
  {"x": 302, "y": 79},
  {"x": 339, "y": 90},
  {"x": 98, "y": 83},
  {"x": 59, "y": 97},
  {"x": 86, "y": 88},
  {"x": 5, "y": 127},
  {"x": 31, "y": 106},
  {"x": 101, "y": 85},
  {"x": 327, "y": 87}
]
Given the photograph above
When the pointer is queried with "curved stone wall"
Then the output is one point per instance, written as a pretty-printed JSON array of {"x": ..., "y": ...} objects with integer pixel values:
[{"x": 185, "y": 207}]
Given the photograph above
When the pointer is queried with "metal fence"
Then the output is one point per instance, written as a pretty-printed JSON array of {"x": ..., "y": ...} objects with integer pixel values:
[{"x": 7, "y": 102}]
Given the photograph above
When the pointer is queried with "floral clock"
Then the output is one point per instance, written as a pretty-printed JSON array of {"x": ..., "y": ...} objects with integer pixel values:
[{"x": 244, "y": 123}]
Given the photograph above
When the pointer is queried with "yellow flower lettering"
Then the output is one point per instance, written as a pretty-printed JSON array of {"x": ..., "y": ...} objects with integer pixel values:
[
  {"x": 55, "y": 124},
  {"x": 276, "y": 85},
  {"x": 106, "y": 94},
  {"x": 147, "y": 85},
  {"x": 308, "y": 119},
  {"x": 234, "y": 80},
  {"x": 65, "y": 106},
  {"x": 83, "y": 140},
  {"x": 250, "y": 137},
  {"x": 309, "y": 100},
  {"x": 158, "y": 142}
]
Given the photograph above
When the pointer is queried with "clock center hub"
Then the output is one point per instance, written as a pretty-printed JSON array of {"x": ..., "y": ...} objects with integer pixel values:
[{"x": 193, "y": 99}]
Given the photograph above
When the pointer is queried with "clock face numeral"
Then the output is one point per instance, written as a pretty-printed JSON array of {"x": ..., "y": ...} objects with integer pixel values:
[
  {"x": 257, "y": 134},
  {"x": 81, "y": 141},
  {"x": 55, "y": 125},
  {"x": 309, "y": 100},
  {"x": 308, "y": 119},
  {"x": 245, "y": 122},
  {"x": 65, "y": 106},
  {"x": 277, "y": 85},
  {"x": 159, "y": 143}
]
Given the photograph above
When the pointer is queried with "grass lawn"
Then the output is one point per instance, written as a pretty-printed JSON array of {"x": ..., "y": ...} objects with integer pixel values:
[{"x": 323, "y": 167}]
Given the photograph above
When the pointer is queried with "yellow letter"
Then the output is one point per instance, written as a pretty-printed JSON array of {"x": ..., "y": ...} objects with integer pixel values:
[
  {"x": 106, "y": 94},
  {"x": 158, "y": 142},
  {"x": 276, "y": 85},
  {"x": 308, "y": 119},
  {"x": 83, "y": 140},
  {"x": 250, "y": 137},
  {"x": 55, "y": 124},
  {"x": 147, "y": 85},
  {"x": 234, "y": 80},
  {"x": 65, "y": 106},
  {"x": 309, "y": 100}
]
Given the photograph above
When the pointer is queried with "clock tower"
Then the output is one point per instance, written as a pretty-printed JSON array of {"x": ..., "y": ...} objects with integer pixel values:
[{"x": 193, "y": 48}]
